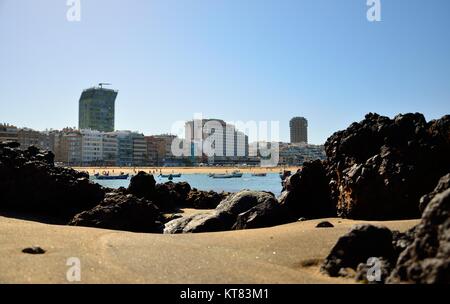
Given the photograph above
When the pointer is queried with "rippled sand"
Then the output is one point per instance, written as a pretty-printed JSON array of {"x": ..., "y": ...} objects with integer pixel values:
[{"x": 285, "y": 254}]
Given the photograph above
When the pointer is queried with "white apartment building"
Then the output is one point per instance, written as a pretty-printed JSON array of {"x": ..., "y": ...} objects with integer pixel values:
[
  {"x": 110, "y": 148},
  {"x": 91, "y": 146}
]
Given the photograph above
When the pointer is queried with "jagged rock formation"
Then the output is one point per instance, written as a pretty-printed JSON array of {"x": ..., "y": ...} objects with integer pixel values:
[
  {"x": 420, "y": 255},
  {"x": 307, "y": 193},
  {"x": 122, "y": 212},
  {"x": 31, "y": 183},
  {"x": 380, "y": 167},
  {"x": 223, "y": 217}
]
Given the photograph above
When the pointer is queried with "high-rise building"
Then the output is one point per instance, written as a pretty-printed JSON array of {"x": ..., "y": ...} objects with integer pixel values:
[
  {"x": 228, "y": 144},
  {"x": 299, "y": 130},
  {"x": 96, "y": 109}
]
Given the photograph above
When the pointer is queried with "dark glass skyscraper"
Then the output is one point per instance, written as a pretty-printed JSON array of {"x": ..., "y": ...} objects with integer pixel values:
[
  {"x": 299, "y": 130},
  {"x": 96, "y": 109}
]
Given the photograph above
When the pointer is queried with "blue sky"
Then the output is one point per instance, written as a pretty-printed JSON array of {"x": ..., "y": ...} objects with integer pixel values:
[{"x": 231, "y": 59}]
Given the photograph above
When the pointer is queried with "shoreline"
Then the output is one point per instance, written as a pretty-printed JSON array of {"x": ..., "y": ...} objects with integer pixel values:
[{"x": 183, "y": 170}]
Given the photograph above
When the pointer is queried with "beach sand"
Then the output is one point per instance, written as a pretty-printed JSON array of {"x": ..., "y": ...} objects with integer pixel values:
[
  {"x": 183, "y": 170},
  {"x": 284, "y": 254}
]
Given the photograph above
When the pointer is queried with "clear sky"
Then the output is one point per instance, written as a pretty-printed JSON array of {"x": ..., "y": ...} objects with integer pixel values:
[{"x": 232, "y": 59}]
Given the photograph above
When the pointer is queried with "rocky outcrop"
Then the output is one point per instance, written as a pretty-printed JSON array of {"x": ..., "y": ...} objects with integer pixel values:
[
  {"x": 31, "y": 183},
  {"x": 142, "y": 185},
  {"x": 201, "y": 222},
  {"x": 427, "y": 259},
  {"x": 419, "y": 255},
  {"x": 122, "y": 212},
  {"x": 198, "y": 199},
  {"x": 266, "y": 214},
  {"x": 380, "y": 167},
  {"x": 308, "y": 193},
  {"x": 443, "y": 184},
  {"x": 357, "y": 246},
  {"x": 222, "y": 218},
  {"x": 170, "y": 196}
]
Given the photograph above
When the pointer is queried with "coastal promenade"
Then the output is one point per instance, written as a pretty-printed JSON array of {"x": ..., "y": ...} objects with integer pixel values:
[{"x": 183, "y": 170}]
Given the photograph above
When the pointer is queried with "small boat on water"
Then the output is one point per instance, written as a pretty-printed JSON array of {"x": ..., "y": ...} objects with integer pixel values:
[
  {"x": 170, "y": 175},
  {"x": 111, "y": 177},
  {"x": 259, "y": 174},
  {"x": 234, "y": 174}
]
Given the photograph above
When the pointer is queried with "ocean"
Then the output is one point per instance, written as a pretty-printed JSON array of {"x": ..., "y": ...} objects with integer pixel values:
[{"x": 271, "y": 182}]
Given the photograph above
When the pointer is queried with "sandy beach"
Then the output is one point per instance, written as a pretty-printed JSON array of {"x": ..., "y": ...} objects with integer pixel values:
[
  {"x": 284, "y": 254},
  {"x": 182, "y": 170}
]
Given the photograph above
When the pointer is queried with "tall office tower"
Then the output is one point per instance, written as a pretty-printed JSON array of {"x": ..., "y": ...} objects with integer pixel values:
[
  {"x": 96, "y": 109},
  {"x": 299, "y": 130}
]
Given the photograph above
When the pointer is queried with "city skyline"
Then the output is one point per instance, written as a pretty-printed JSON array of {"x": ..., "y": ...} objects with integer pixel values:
[{"x": 318, "y": 59}]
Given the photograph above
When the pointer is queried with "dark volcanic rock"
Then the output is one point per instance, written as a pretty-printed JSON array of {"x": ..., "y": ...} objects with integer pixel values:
[
  {"x": 34, "y": 250},
  {"x": 419, "y": 255},
  {"x": 169, "y": 196},
  {"x": 324, "y": 224},
  {"x": 122, "y": 212},
  {"x": 380, "y": 167},
  {"x": 266, "y": 214},
  {"x": 307, "y": 193},
  {"x": 204, "y": 199},
  {"x": 357, "y": 246},
  {"x": 374, "y": 272},
  {"x": 443, "y": 184},
  {"x": 30, "y": 183},
  {"x": 223, "y": 217},
  {"x": 200, "y": 222},
  {"x": 401, "y": 240},
  {"x": 142, "y": 185},
  {"x": 427, "y": 258},
  {"x": 243, "y": 200}
]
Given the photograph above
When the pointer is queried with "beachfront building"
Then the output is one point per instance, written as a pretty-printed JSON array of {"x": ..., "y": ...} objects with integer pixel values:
[
  {"x": 168, "y": 157},
  {"x": 140, "y": 157},
  {"x": 8, "y": 132},
  {"x": 215, "y": 141},
  {"x": 156, "y": 150},
  {"x": 96, "y": 109},
  {"x": 110, "y": 148},
  {"x": 297, "y": 154},
  {"x": 91, "y": 147},
  {"x": 124, "y": 148},
  {"x": 299, "y": 130},
  {"x": 67, "y": 147},
  {"x": 28, "y": 137}
]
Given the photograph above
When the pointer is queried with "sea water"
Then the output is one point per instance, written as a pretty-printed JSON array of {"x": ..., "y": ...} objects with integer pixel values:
[{"x": 271, "y": 182}]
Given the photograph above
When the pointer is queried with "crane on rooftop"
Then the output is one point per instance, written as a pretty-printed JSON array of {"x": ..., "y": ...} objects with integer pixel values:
[{"x": 101, "y": 84}]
